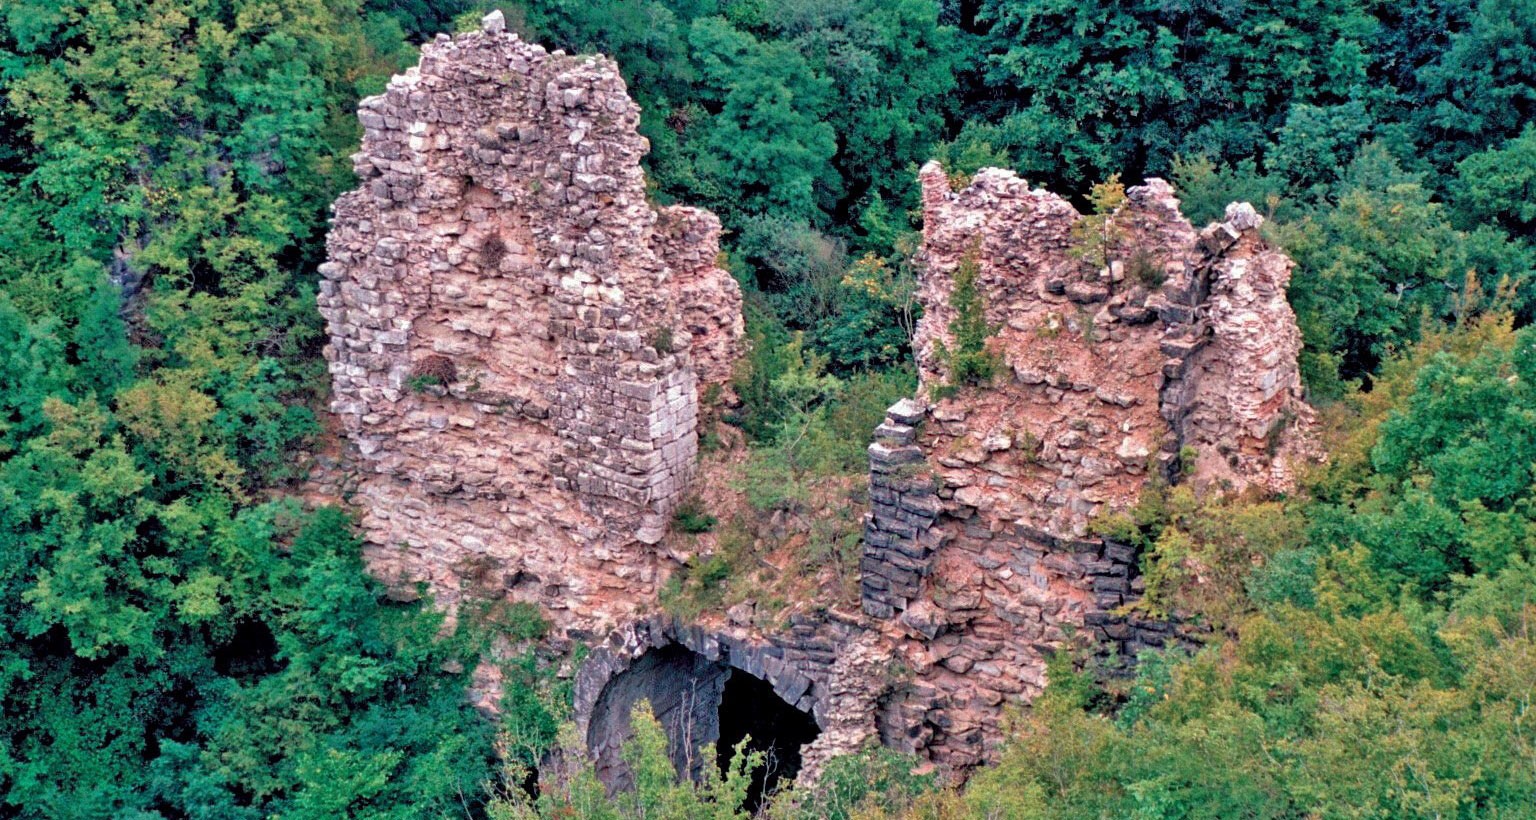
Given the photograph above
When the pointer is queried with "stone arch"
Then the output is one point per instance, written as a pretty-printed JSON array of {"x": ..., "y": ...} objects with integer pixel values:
[{"x": 698, "y": 683}]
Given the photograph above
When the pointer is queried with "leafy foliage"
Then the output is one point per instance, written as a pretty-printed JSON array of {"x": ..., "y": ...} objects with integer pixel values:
[
  {"x": 691, "y": 517},
  {"x": 658, "y": 792},
  {"x": 1096, "y": 234},
  {"x": 971, "y": 362},
  {"x": 872, "y": 781},
  {"x": 175, "y": 644},
  {"x": 1451, "y": 490}
]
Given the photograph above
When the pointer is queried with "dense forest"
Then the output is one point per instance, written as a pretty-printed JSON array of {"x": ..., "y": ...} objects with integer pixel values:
[{"x": 179, "y": 640}]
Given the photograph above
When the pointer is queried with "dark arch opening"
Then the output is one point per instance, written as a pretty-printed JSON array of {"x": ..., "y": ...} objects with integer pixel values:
[
  {"x": 683, "y": 689},
  {"x": 699, "y": 702},
  {"x": 751, "y": 710}
]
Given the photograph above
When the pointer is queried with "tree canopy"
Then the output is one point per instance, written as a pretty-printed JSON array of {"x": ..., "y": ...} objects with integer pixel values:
[{"x": 180, "y": 642}]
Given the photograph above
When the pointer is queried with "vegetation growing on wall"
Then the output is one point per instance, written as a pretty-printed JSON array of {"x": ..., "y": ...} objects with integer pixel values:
[{"x": 970, "y": 362}]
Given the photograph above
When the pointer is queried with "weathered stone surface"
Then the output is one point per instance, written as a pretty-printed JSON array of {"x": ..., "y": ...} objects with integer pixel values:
[
  {"x": 987, "y": 561},
  {"x": 518, "y": 338}
]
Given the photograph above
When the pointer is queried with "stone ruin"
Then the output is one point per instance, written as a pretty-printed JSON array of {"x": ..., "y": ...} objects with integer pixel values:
[
  {"x": 1171, "y": 357},
  {"x": 518, "y": 336},
  {"x": 519, "y": 340}
]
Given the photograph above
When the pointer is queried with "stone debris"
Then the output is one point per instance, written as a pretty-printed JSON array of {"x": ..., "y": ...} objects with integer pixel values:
[{"x": 517, "y": 337}]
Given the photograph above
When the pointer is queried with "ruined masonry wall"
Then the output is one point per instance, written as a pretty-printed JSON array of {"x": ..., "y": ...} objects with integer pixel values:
[
  {"x": 979, "y": 553},
  {"x": 518, "y": 338},
  {"x": 518, "y": 345}
]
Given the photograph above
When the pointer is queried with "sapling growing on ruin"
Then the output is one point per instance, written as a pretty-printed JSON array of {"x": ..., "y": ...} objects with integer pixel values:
[{"x": 970, "y": 362}]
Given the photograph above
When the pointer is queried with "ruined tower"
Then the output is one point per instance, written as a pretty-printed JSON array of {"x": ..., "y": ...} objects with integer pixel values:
[
  {"x": 518, "y": 342},
  {"x": 518, "y": 336},
  {"x": 1158, "y": 354}
]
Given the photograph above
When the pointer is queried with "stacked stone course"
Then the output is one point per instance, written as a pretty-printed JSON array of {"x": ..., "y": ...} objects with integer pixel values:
[{"x": 518, "y": 337}]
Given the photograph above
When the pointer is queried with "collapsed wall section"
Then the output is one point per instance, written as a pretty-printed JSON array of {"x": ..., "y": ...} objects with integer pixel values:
[
  {"x": 1129, "y": 350},
  {"x": 517, "y": 336}
]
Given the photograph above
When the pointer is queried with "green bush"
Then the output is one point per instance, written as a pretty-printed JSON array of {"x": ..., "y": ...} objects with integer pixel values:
[
  {"x": 691, "y": 517},
  {"x": 873, "y": 782},
  {"x": 970, "y": 362},
  {"x": 661, "y": 341}
]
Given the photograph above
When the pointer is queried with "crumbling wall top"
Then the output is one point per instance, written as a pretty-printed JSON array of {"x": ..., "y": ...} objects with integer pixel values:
[{"x": 1170, "y": 338}]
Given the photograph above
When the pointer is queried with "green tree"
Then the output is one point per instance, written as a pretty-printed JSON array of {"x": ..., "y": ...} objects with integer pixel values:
[
  {"x": 1498, "y": 186},
  {"x": 1370, "y": 266},
  {"x": 1481, "y": 89},
  {"x": 970, "y": 361},
  {"x": 1083, "y": 90},
  {"x": 892, "y": 69},
  {"x": 767, "y": 147}
]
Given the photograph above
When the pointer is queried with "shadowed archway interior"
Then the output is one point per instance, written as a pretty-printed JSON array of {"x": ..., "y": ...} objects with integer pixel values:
[
  {"x": 700, "y": 703},
  {"x": 750, "y": 710}
]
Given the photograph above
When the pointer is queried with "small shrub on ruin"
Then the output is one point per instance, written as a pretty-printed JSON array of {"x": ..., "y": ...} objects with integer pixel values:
[
  {"x": 714, "y": 571},
  {"x": 517, "y": 621},
  {"x": 1275, "y": 436},
  {"x": 709, "y": 582},
  {"x": 916, "y": 476},
  {"x": 966, "y": 154},
  {"x": 710, "y": 441},
  {"x": 875, "y": 782},
  {"x": 1028, "y": 446},
  {"x": 1096, "y": 234},
  {"x": 1086, "y": 325},
  {"x": 421, "y": 384},
  {"x": 661, "y": 340},
  {"x": 771, "y": 480},
  {"x": 1188, "y": 456},
  {"x": 698, "y": 587},
  {"x": 1143, "y": 268},
  {"x": 433, "y": 371},
  {"x": 493, "y": 251},
  {"x": 970, "y": 361},
  {"x": 1050, "y": 327},
  {"x": 1139, "y": 525},
  {"x": 1118, "y": 527},
  {"x": 691, "y": 517},
  {"x": 836, "y": 542}
]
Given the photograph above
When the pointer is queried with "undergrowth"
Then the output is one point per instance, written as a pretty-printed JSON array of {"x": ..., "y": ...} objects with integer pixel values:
[{"x": 804, "y": 481}]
